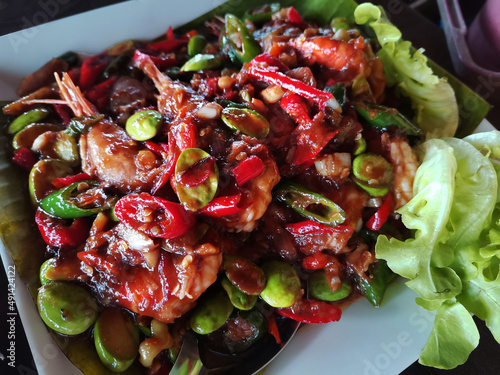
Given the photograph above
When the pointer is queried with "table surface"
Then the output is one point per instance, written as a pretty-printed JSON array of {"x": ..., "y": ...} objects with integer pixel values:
[{"x": 419, "y": 27}]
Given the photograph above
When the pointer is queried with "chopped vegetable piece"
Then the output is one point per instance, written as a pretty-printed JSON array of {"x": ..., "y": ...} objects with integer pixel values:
[
  {"x": 380, "y": 217},
  {"x": 56, "y": 233},
  {"x": 195, "y": 179},
  {"x": 375, "y": 286},
  {"x": 211, "y": 313},
  {"x": 66, "y": 308},
  {"x": 309, "y": 204},
  {"x": 222, "y": 206},
  {"x": 27, "y": 118},
  {"x": 381, "y": 117},
  {"x": 116, "y": 339},
  {"x": 144, "y": 125},
  {"x": 312, "y": 312},
  {"x": 24, "y": 158},
  {"x": 322, "y": 98},
  {"x": 65, "y": 204},
  {"x": 283, "y": 284},
  {"x": 201, "y": 62},
  {"x": 238, "y": 41},
  {"x": 246, "y": 121},
  {"x": 61, "y": 182},
  {"x": 248, "y": 169},
  {"x": 319, "y": 289},
  {"x": 196, "y": 45},
  {"x": 154, "y": 216}
]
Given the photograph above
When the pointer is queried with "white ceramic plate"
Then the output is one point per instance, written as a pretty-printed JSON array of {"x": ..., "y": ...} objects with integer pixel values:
[{"x": 366, "y": 341}]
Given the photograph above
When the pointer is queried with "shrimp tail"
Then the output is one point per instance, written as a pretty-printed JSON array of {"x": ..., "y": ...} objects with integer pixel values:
[
  {"x": 146, "y": 64},
  {"x": 73, "y": 96}
]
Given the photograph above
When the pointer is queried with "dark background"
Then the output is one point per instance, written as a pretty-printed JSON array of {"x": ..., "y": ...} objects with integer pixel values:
[{"x": 420, "y": 22}]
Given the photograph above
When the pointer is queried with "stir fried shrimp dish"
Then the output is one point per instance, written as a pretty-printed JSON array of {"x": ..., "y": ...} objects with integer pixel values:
[{"x": 220, "y": 180}]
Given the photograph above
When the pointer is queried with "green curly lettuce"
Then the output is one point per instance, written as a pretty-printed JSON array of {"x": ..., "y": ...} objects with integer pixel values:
[
  {"x": 433, "y": 99},
  {"x": 452, "y": 260}
]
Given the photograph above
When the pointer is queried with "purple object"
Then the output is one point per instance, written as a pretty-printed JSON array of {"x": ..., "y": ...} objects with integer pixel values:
[
  {"x": 483, "y": 36},
  {"x": 477, "y": 51}
]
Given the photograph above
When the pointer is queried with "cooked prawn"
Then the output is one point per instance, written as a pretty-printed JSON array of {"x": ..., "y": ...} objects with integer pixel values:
[
  {"x": 334, "y": 54},
  {"x": 256, "y": 193},
  {"x": 405, "y": 163},
  {"x": 128, "y": 268},
  {"x": 107, "y": 152}
]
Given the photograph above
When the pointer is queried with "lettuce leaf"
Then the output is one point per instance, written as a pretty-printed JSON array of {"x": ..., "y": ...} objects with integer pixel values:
[
  {"x": 432, "y": 97},
  {"x": 425, "y": 258},
  {"x": 458, "y": 184},
  {"x": 453, "y": 337}
]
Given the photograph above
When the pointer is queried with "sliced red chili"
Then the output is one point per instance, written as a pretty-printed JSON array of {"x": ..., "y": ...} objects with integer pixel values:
[
  {"x": 248, "y": 169},
  {"x": 154, "y": 216},
  {"x": 222, "y": 206},
  {"x": 161, "y": 60},
  {"x": 295, "y": 18},
  {"x": 297, "y": 108},
  {"x": 167, "y": 45},
  {"x": 380, "y": 217},
  {"x": 24, "y": 158},
  {"x": 322, "y": 98},
  {"x": 56, "y": 233},
  {"x": 198, "y": 172},
  {"x": 91, "y": 68},
  {"x": 312, "y": 139},
  {"x": 61, "y": 182},
  {"x": 272, "y": 327},
  {"x": 311, "y": 311},
  {"x": 270, "y": 61},
  {"x": 315, "y": 261},
  {"x": 170, "y": 33},
  {"x": 313, "y": 227},
  {"x": 62, "y": 112},
  {"x": 98, "y": 94}
]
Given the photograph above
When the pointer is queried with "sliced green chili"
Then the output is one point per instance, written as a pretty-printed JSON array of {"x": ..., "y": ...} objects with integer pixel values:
[
  {"x": 201, "y": 62},
  {"x": 238, "y": 41},
  {"x": 63, "y": 204},
  {"x": 381, "y": 117},
  {"x": 22, "y": 121},
  {"x": 374, "y": 289},
  {"x": 309, "y": 204}
]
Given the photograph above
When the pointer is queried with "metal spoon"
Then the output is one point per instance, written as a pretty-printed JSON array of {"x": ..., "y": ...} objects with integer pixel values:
[{"x": 196, "y": 359}]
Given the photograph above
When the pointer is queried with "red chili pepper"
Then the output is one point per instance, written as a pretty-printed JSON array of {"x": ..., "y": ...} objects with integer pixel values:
[
  {"x": 296, "y": 107},
  {"x": 380, "y": 217},
  {"x": 312, "y": 139},
  {"x": 154, "y": 216},
  {"x": 24, "y": 158},
  {"x": 61, "y": 182},
  {"x": 91, "y": 68},
  {"x": 272, "y": 327},
  {"x": 197, "y": 173},
  {"x": 98, "y": 94},
  {"x": 189, "y": 34},
  {"x": 311, "y": 311},
  {"x": 62, "y": 111},
  {"x": 222, "y": 206},
  {"x": 184, "y": 135},
  {"x": 248, "y": 169},
  {"x": 170, "y": 33},
  {"x": 155, "y": 148},
  {"x": 270, "y": 61},
  {"x": 56, "y": 233},
  {"x": 295, "y": 18},
  {"x": 312, "y": 227},
  {"x": 166, "y": 45},
  {"x": 322, "y": 98},
  {"x": 160, "y": 60},
  {"x": 315, "y": 261}
]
